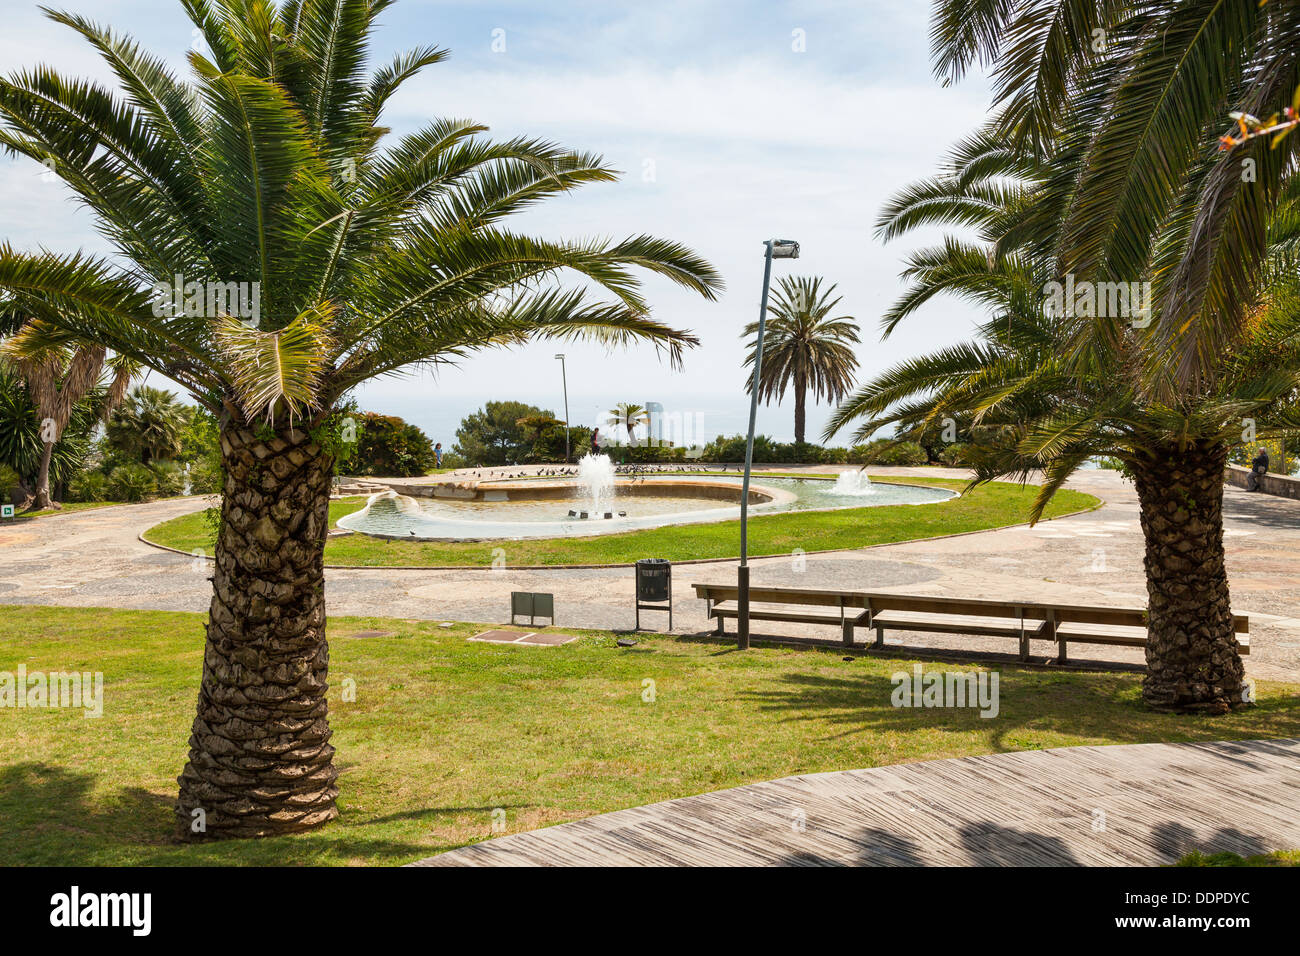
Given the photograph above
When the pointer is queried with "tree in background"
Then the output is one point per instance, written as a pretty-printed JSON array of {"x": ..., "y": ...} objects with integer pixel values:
[
  {"x": 629, "y": 415},
  {"x": 23, "y": 452},
  {"x": 56, "y": 379},
  {"x": 493, "y": 435},
  {"x": 389, "y": 446},
  {"x": 804, "y": 348},
  {"x": 149, "y": 425},
  {"x": 545, "y": 434}
]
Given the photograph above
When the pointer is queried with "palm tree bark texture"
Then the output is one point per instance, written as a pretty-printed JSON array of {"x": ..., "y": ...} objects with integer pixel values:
[
  {"x": 1192, "y": 658},
  {"x": 259, "y": 752}
]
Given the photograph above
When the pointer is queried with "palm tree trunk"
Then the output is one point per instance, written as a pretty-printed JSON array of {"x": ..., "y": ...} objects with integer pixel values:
[
  {"x": 260, "y": 761},
  {"x": 1192, "y": 659},
  {"x": 799, "y": 411},
  {"x": 41, "y": 499}
]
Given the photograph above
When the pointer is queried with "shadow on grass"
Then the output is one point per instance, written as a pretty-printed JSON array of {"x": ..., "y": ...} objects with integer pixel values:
[
  {"x": 50, "y": 816},
  {"x": 1100, "y": 707}
]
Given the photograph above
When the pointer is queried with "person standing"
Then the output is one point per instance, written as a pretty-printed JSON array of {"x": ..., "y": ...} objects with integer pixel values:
[
  {"x": 595, "y": 442},
  {"x": 437, "y": 455}
]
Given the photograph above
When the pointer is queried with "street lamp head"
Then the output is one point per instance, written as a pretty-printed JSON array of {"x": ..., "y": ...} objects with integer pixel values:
[
  {"x": 559, "y": 355},
  {"x": 785, "y": 249}
]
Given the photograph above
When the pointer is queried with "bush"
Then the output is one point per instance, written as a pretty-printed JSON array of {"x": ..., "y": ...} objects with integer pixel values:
[
  {"x": 834, "y": 456},
  {"x": 9, "y": 482},
  {"x": 132, "y": 483},
  {"x": 954, "y": 454},
  {"x": 802, "y": 453},
  {"x": 205, "y": 478},
  {"x": 723, "y": 449},
  {"x": 387, "y": 445},
  {"x": 904, "y": 454},
  {"x": 88, "y": 486},
  {"x": 170, "y": 478},
  {"x": 887, "y": 451}
]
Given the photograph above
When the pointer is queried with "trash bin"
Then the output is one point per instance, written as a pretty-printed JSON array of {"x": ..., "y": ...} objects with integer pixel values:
[{"x": 653, "y": 579}]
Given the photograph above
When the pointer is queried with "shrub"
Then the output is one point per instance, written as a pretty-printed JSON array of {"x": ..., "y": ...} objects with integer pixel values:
[
  {"x": 834, "y": 456},
  {"x": 387, "y": 445},
  {"x": 887, "y": 451},
  {"x": 723, "y": 449},
  {"x": 904, "y": 454},
  {"x": 170, "y": 478},
  {"x": 954, "y": 454},
  {"x": 132, "y": 483},
  {"x": 205, "y": 478},
  {"x": 88, "y": 486}
]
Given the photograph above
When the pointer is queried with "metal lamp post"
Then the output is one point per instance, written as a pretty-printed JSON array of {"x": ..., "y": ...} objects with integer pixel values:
[
  {"x": 776, "y": 249},
  {"x": 564, "y": 378}
]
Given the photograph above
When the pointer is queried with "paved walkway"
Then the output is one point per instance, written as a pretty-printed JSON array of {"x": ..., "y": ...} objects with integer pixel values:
[
  {"x": 1141, "y": 804},
  {"x": 93, "y": 559}
]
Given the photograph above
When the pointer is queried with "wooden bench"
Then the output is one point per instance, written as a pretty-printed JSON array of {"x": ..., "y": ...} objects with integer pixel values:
[
  {"x": 1063, "y": 624},
  {"x": 846, "y": 609}
]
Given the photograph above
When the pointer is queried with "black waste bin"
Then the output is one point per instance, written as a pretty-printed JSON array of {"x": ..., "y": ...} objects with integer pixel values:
[
  {"x": 653, "y": 577},
  {"x": 654, "y": 583}
]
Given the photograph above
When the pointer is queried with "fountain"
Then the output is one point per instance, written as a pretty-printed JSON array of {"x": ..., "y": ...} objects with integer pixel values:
[
  {"x": 490, "y": 508},
  {"x": 852, "y": 484},
  {"x": 596, "y": 479}
]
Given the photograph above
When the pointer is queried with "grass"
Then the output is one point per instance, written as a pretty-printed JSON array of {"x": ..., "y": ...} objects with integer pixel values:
[
  {"x": 443, "y": 731},
  {"x": 992, "y": 505},
  {"x": 1277, "y": 858}
]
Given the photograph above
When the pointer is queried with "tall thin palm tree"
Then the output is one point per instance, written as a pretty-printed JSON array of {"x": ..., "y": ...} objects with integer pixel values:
[
  {"x": 268, "y": 174},
  {"x": 804, "y": 347}
]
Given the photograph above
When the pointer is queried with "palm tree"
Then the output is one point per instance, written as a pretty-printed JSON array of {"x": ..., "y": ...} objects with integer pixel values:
[
  {"x": 629, "y": 415},
  {"x": 1047, "y": 391},
  {"x": 22, "y": 445},
  {"x": 148, "y": 425},
  {"x": 1124, "y": 104},
  {"x": 803, "y": 347},
  {"x": 269, "y": 169},
  {"x": 57, "y": 379}
]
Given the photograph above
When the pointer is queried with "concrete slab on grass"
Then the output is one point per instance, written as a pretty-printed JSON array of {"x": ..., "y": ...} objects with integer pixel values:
[{"x": 531, "y": 638}]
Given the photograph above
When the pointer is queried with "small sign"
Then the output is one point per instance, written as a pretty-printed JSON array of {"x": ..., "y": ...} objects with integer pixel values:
[{"x": 6, "y": 511}]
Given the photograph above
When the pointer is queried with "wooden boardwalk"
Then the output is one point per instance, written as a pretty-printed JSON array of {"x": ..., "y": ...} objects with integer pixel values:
[{"x": 1141, "y": 804}]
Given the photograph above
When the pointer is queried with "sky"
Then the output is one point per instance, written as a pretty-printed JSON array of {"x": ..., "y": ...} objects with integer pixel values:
[{"x": 732, "y": 121}]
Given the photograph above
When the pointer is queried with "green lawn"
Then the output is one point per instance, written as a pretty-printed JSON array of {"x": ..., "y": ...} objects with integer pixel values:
[
  {"x": 992, "y": 505},
  {"x": 1277, "y": 858},
  {"x": 443, "y": 731}
]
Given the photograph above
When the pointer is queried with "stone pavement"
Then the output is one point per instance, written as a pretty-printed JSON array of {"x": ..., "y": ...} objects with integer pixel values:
[{"x": 93, "y": 558}]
